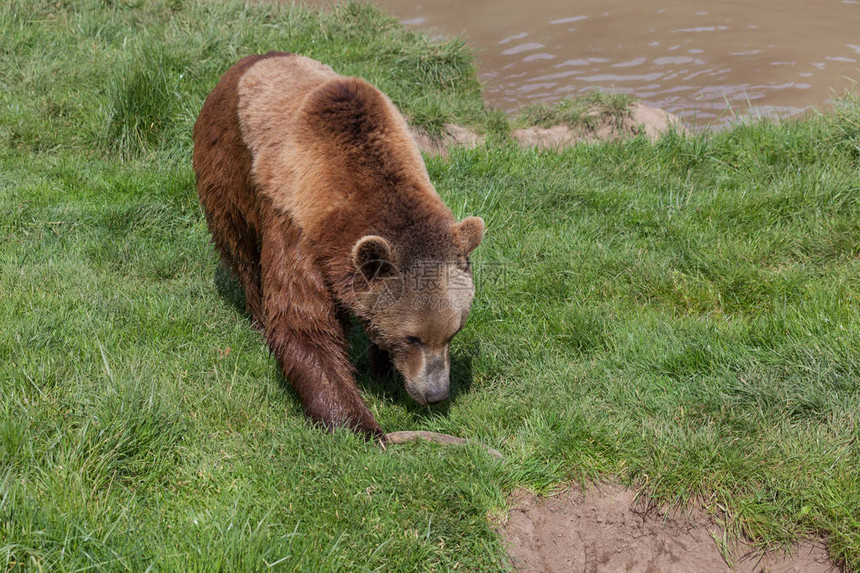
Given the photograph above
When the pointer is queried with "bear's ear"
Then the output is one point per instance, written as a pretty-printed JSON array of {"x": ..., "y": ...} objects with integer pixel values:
[
  {"x": 468, "y": 234},
  {"x": 372, "y": 256}
]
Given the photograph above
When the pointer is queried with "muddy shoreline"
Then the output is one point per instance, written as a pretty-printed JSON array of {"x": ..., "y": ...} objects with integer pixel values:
[{"x": 640, "y": 119}]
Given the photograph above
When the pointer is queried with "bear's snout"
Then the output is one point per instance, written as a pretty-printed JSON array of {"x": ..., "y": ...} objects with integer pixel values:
[
  {"x": 437, "y": 394},
  {"x": 434, "y": 391},
  {"x": 431, "y": 385},
  {"x": 437, "y": 383}
]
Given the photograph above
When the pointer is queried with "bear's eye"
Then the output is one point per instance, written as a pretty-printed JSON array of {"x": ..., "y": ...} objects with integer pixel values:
[{"x": 414, "y": 341}]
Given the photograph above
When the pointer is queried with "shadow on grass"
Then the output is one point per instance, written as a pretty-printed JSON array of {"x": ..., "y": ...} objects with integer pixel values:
[{"x": 229, "y": 289}]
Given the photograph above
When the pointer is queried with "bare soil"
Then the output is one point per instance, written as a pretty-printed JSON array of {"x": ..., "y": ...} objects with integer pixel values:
[
  {"x": 640, "y": 118},
  {"x": 608, "y": 530}
]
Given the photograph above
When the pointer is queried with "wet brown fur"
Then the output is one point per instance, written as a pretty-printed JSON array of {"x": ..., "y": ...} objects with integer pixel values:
[{"x": 294, "y": 165}]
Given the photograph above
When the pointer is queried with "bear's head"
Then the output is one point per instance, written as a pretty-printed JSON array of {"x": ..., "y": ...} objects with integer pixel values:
[{"x": 413, "y": 301}]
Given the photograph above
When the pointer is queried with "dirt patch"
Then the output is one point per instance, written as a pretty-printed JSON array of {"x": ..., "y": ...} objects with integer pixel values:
[
  {"x": 607, "y": 530},
  {"x": 650, "y": 121},
  {"x": 640, "y": 118}
]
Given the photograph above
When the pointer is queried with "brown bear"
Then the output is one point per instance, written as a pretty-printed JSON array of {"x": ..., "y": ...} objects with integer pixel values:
[{"x": 317, "y": 198}]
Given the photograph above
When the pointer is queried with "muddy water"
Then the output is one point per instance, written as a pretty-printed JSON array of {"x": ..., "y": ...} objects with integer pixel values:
[{"x": 704, "y": 61}]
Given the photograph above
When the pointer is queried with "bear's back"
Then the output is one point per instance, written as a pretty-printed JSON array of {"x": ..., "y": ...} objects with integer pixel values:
[
  {"x": 324, "y": 145},
  {"x": 270, "y": 93}
]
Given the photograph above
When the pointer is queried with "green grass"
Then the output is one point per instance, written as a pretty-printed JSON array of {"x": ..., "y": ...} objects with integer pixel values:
[
  {"x": 681, "y": 316},
  {"x": 129, "y": 77}
]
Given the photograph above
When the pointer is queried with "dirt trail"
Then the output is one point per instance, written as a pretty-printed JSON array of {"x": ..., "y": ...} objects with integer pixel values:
[{"x": 607, "y": 531}]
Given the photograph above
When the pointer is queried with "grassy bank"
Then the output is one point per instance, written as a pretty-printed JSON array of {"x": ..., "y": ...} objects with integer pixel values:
[{"x": 683, "y": 317}]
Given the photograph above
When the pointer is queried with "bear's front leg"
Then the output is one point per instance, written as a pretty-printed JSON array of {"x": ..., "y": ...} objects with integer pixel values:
[{"x": 305, "y": 335}]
